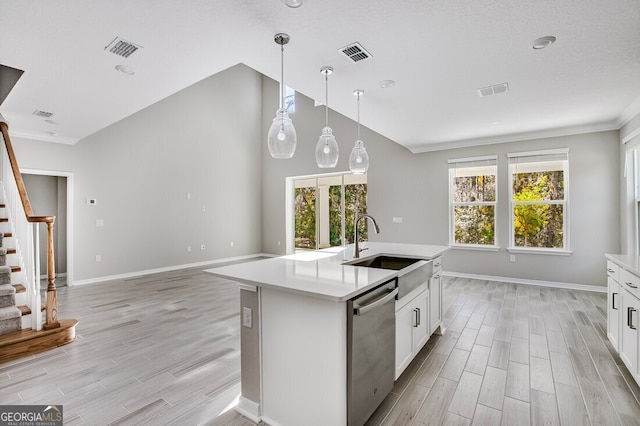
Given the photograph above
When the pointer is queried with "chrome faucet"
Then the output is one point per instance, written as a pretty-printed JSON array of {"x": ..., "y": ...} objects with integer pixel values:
[{"x": 357, "y": 249}]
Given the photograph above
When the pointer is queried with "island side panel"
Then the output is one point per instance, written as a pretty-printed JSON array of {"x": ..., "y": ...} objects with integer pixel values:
[
  {"x": 250, "y": 348},
  {"x": 304, "y": 353}
]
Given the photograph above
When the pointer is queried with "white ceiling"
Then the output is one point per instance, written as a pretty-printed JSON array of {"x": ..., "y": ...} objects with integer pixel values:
[{"x": 438, "y": 52}]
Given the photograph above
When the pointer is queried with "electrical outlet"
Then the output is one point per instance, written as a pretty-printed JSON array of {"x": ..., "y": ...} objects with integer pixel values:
[
  {"x": 231, "y": 244},
  {"x": 98, "y": 258},
  {"x": 204, "y": 208},
  {"x": 188, "y": 249},
  {"x": 99, "y": 222},
  {"x": 247, "y": 317},
  {"x": 512, "y": 258},
  {"x": 188, "y": 195},
  {"x": 397, "y": 220},
  {"x": 202, "y": 247},
  {"x": 278, "y": 242}
]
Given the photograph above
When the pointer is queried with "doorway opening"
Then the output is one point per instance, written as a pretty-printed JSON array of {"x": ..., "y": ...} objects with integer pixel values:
[{"x": 51, "y": 193}]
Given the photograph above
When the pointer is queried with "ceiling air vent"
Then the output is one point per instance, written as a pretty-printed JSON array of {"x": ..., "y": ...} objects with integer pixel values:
[
  {"x": 493, "y": 90},
  {"x": 44, "y": 114},
  {"x": 122, "y": 47},
  {"x": 355, "y": 52}
]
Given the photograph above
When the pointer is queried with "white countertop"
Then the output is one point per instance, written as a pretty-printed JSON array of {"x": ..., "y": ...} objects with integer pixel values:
[
  {"x": 322, "y": 273},
  {"x": 630, "y": 263}
]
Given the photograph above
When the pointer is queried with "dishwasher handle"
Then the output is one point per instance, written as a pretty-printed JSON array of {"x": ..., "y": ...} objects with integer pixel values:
[{"x": 361, "y": 310}]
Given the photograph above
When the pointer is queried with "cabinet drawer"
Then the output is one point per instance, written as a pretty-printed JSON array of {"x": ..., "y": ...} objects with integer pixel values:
[
  {"x": 630, "y": 281},
  {"x": 613, "y": 270},
  {"x": 437, "y": 265}
]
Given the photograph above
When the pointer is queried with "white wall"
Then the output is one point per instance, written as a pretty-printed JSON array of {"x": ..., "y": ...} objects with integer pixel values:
[
  {"x": 415, "y": 187},
  {"x": 204, "y": 140}
]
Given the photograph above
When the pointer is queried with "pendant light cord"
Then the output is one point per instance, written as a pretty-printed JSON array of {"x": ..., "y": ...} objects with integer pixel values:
[
  {"x": 281, "y": 76},
  {"x": 358, "y": 116},
  {"x": 326, "y": 99}
]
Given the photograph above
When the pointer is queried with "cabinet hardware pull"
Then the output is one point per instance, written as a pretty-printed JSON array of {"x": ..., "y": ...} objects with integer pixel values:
[
  {"x": 437, "y": 277},
  {"x": 610, "y": 270},
  {"x": 418, "y": 317},
  {"x": 613, "y": 301},
  {"x": 631, "y": 285},
  {"x": 630, "y": 312}
]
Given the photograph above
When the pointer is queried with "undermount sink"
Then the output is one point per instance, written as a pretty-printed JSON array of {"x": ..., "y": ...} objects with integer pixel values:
[
  {"x": 384, "y": 262},
  {"x": 409, "y": 278}
]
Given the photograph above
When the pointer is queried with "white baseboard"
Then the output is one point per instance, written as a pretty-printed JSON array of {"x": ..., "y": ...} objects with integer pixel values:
[
  {"x": 555, "y": 284},
  {"x": 165, "y": 269},
  {"x": 249, "y": 409}
]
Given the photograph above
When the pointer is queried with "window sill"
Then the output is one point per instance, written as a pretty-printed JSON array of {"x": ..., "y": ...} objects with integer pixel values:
[
  {"x": 531, "y": 250},
  {"x": 473, "y": 247}
]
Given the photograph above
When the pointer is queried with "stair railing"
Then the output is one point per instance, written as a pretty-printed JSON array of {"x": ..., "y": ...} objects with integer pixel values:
[{"x": 26, "y": 236}]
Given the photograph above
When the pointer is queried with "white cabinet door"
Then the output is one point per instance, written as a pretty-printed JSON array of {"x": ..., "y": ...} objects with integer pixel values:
[
  {"x": 404, "y": 337},
  {"x": 421, "y": 321},
  {"x": 630, "y": 331},
  {"x": 614, "y": 313}
]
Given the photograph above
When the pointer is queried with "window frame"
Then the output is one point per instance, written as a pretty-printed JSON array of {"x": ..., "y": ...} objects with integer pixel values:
[
  {"x": 468, "y": 163},
  {"x": 541, "y": 156},
  {"x": 290, "y": 187}
]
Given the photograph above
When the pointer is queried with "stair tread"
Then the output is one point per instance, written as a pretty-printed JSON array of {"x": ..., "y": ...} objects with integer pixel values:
[
  {"x": 19, "y": 288},
  {"x": 27, "y": 310},
  {"x": 11, "y": 251},
  {"x": 8, "y": 235},
  {"x": 9, "y": 312},
  {"x": 4, "y": 219},
  {"x": 15, "y": 268}
]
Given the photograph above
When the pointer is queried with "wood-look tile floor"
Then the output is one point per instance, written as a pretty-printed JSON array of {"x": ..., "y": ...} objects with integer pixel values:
[{"x": 164, "y": 349}]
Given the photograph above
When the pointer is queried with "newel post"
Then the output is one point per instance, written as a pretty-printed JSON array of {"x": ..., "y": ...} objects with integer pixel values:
[{"x": 52, "y": 292}]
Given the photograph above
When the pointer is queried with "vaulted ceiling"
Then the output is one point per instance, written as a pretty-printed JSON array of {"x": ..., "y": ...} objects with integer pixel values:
[{"x": 438, "y": 53}]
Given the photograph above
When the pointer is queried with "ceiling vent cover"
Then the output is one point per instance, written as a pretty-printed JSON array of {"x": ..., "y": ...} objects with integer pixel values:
[
  {"x": 122, "y": 47},
  {"x": 39, "y": 113},
  {"x": 355, "y": 52},
  {"x": 493, "y": 90}
]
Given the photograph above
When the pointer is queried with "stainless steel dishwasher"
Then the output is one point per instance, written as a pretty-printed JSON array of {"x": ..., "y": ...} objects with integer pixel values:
[{"x": 371, "y": 339}]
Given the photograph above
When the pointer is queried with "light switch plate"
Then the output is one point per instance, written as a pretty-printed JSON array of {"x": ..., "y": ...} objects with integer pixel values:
[
  {"x": 397, "y": 220},
  {"x": 247, "y": 319}
]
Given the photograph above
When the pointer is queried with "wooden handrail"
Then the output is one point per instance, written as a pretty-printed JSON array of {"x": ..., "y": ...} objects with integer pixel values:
[{"x": 52, "y": 295}]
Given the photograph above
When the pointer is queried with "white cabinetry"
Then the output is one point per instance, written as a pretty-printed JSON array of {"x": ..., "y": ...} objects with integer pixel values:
[
  {"x": 435, "y": 296},
  {"x": 614, "y": 311},
  {"x": 623, "y": 323},
  {"x": 412, "y": 323}
]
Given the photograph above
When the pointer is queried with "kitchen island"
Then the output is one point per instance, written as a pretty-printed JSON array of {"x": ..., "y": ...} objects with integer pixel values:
[{"x": 294, "y": 328}]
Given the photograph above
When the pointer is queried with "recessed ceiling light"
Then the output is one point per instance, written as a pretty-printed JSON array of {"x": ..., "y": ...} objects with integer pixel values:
[
  {"x": 385, "y": 84},
  {"x": 125, "y": 69},
  {"x": 543, "y": 42},
  {"x": 294, "y": 4}
]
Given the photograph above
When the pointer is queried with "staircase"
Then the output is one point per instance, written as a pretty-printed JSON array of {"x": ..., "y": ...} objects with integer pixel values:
[{"x": 22, "y": 331}]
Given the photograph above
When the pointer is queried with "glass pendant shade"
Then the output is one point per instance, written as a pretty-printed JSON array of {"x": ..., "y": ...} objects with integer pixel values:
[
  {"x": 282, "y": 138},
  {"x": 327, "y": 149},
  {"x": 359, "y": 159}
]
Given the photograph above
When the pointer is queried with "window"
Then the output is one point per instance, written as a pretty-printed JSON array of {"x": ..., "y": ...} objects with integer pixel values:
[
  {"x": 472, "y": 201},
  {"x": 325, "y": 208},
  {"x": 539, "y": 199}
]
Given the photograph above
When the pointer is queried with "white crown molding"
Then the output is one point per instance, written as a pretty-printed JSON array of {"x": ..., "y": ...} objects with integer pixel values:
[
  {"x": 517, "y": 137},
  {"x": 44, "y": 137},
  {"x": 632, "y": 111}
]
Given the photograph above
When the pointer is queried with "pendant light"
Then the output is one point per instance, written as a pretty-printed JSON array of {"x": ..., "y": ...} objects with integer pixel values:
[
  {"x": 327, "y": 147},
  {"x": 281, "y": 138},
  {"x": 359, "y": 159}
]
